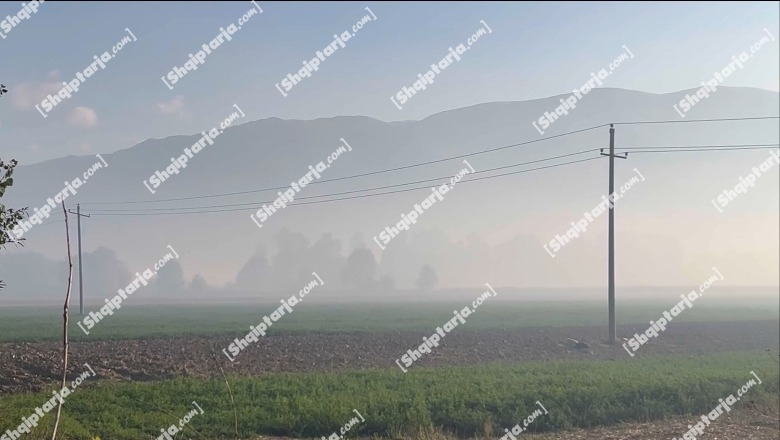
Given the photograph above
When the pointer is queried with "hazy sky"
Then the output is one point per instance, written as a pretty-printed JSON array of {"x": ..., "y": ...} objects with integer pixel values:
[{"x": 534, "y": 51}]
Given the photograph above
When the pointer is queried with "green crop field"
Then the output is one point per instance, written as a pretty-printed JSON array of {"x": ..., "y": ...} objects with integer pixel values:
[
  {"x": 465, "y": 401},
  {"x": 473, "y": 400},
  {"x": 135, "y": 322}
]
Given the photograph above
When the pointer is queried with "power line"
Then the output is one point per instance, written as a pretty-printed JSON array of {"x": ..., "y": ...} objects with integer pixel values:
[
  {"x": 697, "y": 146},
  {"x": 683, "y": 150},
  {"x": 696, "y": 120},
  {"x": 425, "y": 163},
  {"x": 670, "y": 149},
  {"x": 430, "y": 162},
  {"x": 359, "y": 196},
  {"x": 491, "y": 150},
  {"x": 360, "y": 190}
]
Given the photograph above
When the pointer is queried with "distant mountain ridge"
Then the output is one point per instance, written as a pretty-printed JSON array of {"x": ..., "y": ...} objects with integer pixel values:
[{"x": 524, "y": 211}]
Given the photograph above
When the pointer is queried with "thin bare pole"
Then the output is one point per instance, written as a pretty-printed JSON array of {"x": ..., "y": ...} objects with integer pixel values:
[{"x": 64, "y": 326}]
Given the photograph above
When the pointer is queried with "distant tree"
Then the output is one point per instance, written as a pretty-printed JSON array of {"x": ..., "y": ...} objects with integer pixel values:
[
  {"x": 325, "y": 255},
  {"x": 427, "y": 280},
  {"x": 8, "y": 217},
  {"x": 360, "y": 269},
  {"x": 170, "y": 278},
  {"x": 32, "y": 274},
  {"x": 289, "y": 262},
  {"x": 198, "y": 284},
  {"x": 103, "y": 271},
  {"x": 254, "y": 274}
]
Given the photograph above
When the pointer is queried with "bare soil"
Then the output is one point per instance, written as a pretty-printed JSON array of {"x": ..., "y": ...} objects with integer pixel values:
[{"x": 35, "y": 366}]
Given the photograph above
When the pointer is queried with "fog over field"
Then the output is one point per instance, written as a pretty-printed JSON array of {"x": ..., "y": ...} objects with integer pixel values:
[
  {"x": 487, "y": 229},
  {"x": 555, "y": 220}
]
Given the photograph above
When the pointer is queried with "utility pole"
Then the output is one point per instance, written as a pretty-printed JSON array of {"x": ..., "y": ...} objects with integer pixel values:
[
  {"x": 611, "y": 269},
  {"x": 81, "y": 277}
]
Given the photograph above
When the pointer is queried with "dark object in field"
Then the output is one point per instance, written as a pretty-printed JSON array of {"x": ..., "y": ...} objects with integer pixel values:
[{"x": 578, "y": 344}]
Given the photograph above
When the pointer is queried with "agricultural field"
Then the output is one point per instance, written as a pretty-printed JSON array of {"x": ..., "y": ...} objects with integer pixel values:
[
  {"x": 389, "y": 221},
  {"x": 318, "y": 365}
]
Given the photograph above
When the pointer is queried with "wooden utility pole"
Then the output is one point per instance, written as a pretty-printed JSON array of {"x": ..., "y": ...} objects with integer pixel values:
[
  {"x": 611, "y": 270},
  {"x": 81, "y": 277}
]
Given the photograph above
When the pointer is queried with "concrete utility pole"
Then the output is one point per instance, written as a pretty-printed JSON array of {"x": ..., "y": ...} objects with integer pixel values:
[
  {"x": 81, "y": 277},
  {"x": 611, "y": 270}
]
